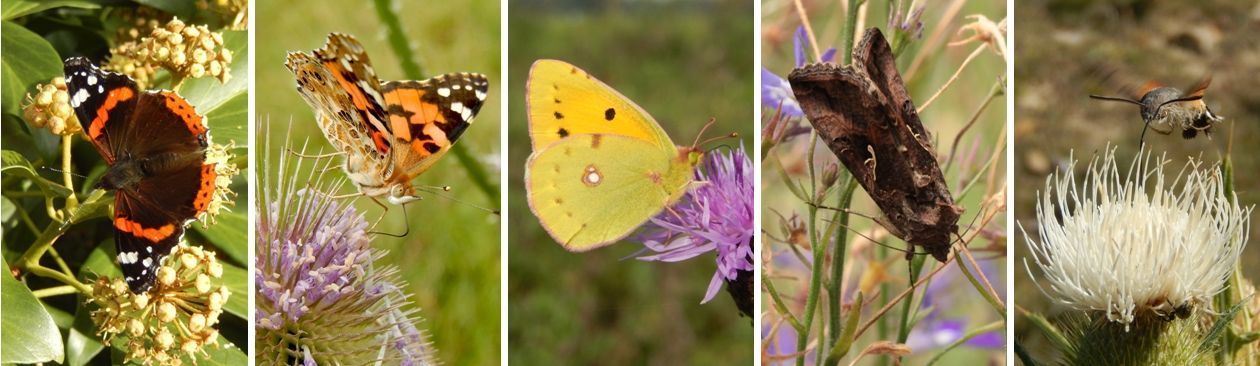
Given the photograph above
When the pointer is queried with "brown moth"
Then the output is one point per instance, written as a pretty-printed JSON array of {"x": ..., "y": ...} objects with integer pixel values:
[{"x": 867, "y": 119}]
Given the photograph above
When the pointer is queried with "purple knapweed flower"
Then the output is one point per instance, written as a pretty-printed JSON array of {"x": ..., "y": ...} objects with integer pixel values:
[{"x": 715, "y": 216}]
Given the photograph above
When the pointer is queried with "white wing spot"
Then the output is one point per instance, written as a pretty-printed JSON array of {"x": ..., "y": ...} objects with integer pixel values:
[
  {"x": 100, "y": 89},
  {"x": 591, "y": 177},
  {"x": 457, "y": 107},
  {"x": 147, "y": 262},
  {"x": 481, "y": 94},
  {"x": 79, "y": 96},
  {"x": 444, "y": 92},
  {"x": 92, "y": 80}
]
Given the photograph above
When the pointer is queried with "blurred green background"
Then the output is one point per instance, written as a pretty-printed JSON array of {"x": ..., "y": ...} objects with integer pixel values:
[
  {"x": 1111, "y": 48},
  {"x": 925, "y": 64},
  {"x": 450, "y": 258},
  {"x": 684, "y": 62}
]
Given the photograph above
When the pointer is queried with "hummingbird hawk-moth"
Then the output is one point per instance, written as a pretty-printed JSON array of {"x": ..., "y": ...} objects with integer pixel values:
[
  {"x": 1164, "y": 108},
  {"x": 868, "y": 120}
]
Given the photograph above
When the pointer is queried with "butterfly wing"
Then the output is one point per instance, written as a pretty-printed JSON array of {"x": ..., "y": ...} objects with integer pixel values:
[
  {"x": 103, "y": 101},
  {"x": 427, "y": 117},
  {"x": 564, "y": 100},
  {"x": 592, "y": 190},
  {"x": 338, "y": 82}
]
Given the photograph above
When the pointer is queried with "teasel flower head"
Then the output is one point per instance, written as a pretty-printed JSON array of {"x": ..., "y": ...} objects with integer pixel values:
[
  {"x": 172, "y": 322},
  {"x": 716, "y": 216},
  {"x": 1134, "y": 244},
  {"x": 50, "y": 108},
  {"x": 321, "y": 296}
]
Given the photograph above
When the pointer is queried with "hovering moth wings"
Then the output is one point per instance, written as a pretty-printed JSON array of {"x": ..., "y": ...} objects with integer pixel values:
[{"x": 867, "y": 119}]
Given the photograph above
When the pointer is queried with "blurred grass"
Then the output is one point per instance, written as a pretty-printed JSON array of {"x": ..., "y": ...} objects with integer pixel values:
[
  {"x": 683, "y": 62},
  {"x": 1108, "y": 48},
  {"x": 944, "y": 118},
  {"x": 450, "y": 258}
]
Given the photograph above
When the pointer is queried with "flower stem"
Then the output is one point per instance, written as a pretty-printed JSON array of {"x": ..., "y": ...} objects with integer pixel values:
[
  {"x": 836, "y": 292},
  {"x": 411, "y": 69},
  {"x": 850, "y": 29},
  {"x": 779, "y": 304},
  {"x": 55, "y": 291},
  {"x": 72, "y": 201},
  {"x": 914, "y": 266},
  {"x": 819, "y": 250}
]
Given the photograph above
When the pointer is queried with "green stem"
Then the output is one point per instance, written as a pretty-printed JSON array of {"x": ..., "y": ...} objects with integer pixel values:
[
  {"x": 411, "y": 69},
  {"x": 850, "y": 26},
  {"x": 60, "y": 277},
  {"x": 72, "y": 201},
  {"x": 984, "y": 291},
  {"x": 914, "y": 266},
  {"x": 837, "y": 264},
  {"x": 779, "y": 304},
  {"x": 816, "y": 270},
  {"x": 60, "y": 263},
  {"x": 55, "y": 291}
]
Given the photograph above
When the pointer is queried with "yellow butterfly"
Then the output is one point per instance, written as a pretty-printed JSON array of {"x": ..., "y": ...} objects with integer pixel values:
[{"x": 601, "y": 166}]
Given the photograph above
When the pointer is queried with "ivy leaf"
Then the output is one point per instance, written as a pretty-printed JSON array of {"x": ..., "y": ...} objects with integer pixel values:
[
  {"x": 30, "y": 335},
  {"x": 17, "y": 8},
  {"x": 29, "y": 59}
]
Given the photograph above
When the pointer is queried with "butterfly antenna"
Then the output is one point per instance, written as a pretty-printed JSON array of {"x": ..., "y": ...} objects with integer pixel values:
[
  {"x": 440, "y": 192},
  {"x": 59, "y": 171},
  {"x": 696, "y": 142}
]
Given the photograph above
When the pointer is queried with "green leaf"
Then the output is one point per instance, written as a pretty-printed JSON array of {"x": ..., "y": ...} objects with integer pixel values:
[
  {"x": 181, "y": 8},
  {"x": 236, "y": 279},
  {"x": 100, "y": 263},
  {"x": 227, "y": 123},
  {"x": 7, "y": 209},
  {"x": 228, "y": 235},
  {"x": 226, "y": 354},
  {"x": 81, "y": 343},
  {"x": 16, "y": 8},
  {"x": 1218, "y": 328},
  {"x": 28, "y": 59},
  {"x": 30, "y": 336},
  {"x": 14, "y": 163}
]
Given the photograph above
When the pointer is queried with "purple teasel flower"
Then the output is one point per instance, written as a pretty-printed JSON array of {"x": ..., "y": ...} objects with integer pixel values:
[
  {"x": 715, "y": 216},
  {"x": 321, "y": 296}
]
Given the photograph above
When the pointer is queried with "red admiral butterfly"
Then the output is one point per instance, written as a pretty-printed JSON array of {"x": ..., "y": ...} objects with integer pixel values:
[{"x": 155, "y": 144}]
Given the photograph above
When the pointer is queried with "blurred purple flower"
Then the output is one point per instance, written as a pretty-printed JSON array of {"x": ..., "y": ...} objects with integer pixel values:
[
  {"x": 716, "y": 215},
  {"x": 776, "y": 92},
  {"x": 936, "y": 331},
  {"x": 912, "y": 23},
  {"x": 784, "y": 344}
]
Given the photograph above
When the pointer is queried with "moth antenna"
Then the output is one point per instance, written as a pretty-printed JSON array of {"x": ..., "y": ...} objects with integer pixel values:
[
  {"x": 877, "y": 242},
  {"x": 850, "y": 211},
  {"x": 1115, "y": 99},
  {"x": 969, "y": 225},
  {"x": 440, "y": 192}
]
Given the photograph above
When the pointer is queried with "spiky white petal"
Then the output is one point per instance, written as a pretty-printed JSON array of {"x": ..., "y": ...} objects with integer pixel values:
[{"x": 1125, "y": 244}]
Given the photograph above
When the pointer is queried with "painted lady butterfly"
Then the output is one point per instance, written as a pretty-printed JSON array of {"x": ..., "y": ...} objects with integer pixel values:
[{"x": 390, "y": 131}]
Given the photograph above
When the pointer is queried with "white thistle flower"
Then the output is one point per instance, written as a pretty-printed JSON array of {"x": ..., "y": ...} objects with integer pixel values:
[{"x": 1126, "y": 245}]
